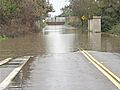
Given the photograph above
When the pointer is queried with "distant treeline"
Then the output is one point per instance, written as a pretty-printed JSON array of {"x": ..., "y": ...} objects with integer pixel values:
[
  {"x": 19, "y": 16},
  {"x": 108, "y": 9}
]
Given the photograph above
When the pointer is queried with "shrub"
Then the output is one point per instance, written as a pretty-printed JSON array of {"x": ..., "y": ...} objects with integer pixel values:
[
  {"x": 115, "y": 29},
  {"x": 107, "y": 23}
]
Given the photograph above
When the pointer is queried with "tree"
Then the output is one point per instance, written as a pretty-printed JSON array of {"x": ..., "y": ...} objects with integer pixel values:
[
  {"x": 108, "y": 9},
  {"x": 7, "y": 9},
  {"x": 83, "y": 7},
  {"x": 16, "y": 15},
  {"x": 66, "y": 11}
]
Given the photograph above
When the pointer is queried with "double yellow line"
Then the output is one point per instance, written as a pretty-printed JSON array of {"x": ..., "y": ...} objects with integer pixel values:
[{"x": 110, "y": 75}]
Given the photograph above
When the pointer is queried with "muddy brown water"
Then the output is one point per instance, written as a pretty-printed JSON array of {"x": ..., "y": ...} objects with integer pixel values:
[{"x": 58, "y": 39}]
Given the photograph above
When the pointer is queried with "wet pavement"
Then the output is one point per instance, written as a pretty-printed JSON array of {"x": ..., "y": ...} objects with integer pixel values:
[
  {"x": 110, "y": 60},
  {"x": 68, "y": 71},
  {"x": 57, "y": 64}
]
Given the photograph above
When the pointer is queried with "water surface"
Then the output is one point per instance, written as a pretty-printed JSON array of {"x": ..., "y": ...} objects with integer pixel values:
[{"x": 58, "y": 39}]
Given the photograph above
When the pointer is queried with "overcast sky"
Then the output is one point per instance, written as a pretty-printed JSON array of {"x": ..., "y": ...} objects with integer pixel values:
[{"x": 57, "y": 5}]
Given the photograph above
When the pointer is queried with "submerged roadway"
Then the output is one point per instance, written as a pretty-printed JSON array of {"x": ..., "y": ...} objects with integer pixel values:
[{"x": 65, "y": 66}]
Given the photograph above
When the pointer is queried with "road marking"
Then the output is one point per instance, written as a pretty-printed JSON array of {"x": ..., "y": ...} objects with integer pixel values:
[
  {"x": 12, "y": 75},
  {"x": 110, "y": 75},
  {"x": 5, "y": 61}
]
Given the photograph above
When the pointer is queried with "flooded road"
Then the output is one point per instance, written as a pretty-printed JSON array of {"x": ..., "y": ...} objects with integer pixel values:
[
  {"x": 58, "y": 39},
  {"x": 57, "y": 62}
]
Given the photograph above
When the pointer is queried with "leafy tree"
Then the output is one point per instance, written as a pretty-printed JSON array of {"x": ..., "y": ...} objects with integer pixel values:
[
  {"x": 8, "y": 8},
  {"x": 16, "y": 15},
  {"x": 108, "y": 9},
  {"x": 66, "y": 11}
]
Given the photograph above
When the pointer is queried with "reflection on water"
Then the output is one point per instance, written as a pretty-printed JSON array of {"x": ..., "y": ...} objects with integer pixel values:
[
  {"x": 58, "y": 39},
  {"x": 95, "y": 41},
  {"x": 58, "y": 42}
]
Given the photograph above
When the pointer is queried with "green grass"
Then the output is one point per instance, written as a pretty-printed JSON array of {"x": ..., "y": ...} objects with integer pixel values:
[{"x": 3, "y": 37}]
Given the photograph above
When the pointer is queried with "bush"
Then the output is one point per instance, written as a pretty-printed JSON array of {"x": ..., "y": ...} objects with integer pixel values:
[
  {"x": 7, "y": 8},
  {"x": 115, "y": 29},
  {"x": 107, "y": 23}
]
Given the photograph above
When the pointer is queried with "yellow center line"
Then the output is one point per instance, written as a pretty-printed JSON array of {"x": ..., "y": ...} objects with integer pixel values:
[{"x": 110, "y": 75}]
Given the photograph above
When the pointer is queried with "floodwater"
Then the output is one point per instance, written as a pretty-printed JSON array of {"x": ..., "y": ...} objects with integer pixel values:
[
  {"x": 58, "y": 39},
  {"x": 56, "y": 44}
]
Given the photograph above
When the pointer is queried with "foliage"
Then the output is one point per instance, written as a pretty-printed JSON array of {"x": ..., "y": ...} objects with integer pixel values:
[
  {"x": 107, "y": 23},
  {"x": 7, "y": 8},
  {"x": 75, "y": 23},
  {"x": 108, "y": 9},
  {"x": 19, "y": 16},
  {"x": 3, "y": 37},
  {"x": 83, "y": 7},
  {"x": 110, "y": 13},
  {"x": 115, "y": 29},
  {"x": 66, "y": 11},
  {"x": 20, "y": 8}
]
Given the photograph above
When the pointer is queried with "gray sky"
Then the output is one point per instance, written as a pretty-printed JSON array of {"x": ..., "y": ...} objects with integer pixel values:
[{"x": 57, "y": 5}]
